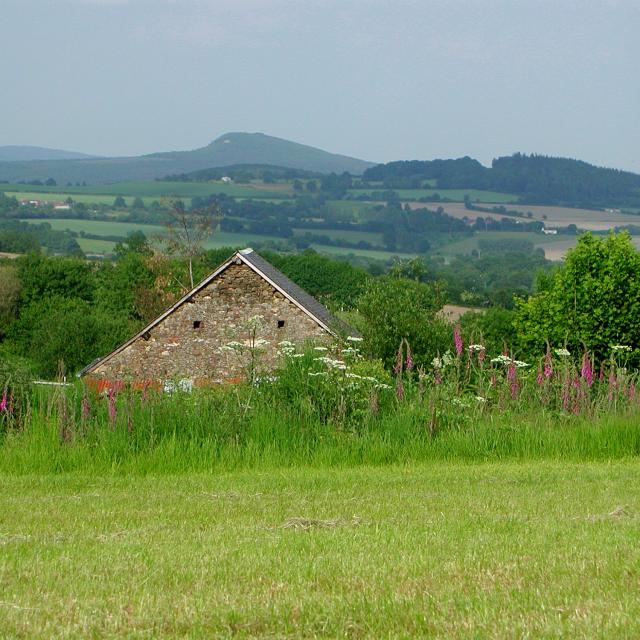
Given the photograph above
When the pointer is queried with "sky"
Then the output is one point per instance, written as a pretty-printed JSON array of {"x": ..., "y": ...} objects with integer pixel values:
[{"x": 378, "y": 80}]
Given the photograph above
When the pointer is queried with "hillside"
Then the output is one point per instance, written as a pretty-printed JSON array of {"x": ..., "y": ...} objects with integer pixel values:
[
  {"x": 229, "y": 149},
  {"x": 25, "y": 153}
]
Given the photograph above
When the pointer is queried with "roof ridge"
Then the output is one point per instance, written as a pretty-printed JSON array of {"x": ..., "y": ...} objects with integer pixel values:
[{"x": 294, "y": 292}]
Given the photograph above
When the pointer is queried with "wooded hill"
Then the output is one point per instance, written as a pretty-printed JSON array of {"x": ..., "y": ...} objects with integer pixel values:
[{"x": 536, "y": 179}]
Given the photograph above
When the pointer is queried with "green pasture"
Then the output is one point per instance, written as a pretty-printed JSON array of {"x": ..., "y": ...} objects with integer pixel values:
[
  {"x": 375, "y": 254},
  {"x": 91, "y": 246},
  {"x": 102, "y": 227},
  {"x": 443, "y": 550},
  {"x": 352, "y": 236},
  {"x": 467, "y": 245},
  {"x": 456, "y": 195},
  {"x": 84, "y": 198},
  {"x": 122, "y": 229},
  {"x": 357, "y": 209},
  {"x": 152, "y": 189}
]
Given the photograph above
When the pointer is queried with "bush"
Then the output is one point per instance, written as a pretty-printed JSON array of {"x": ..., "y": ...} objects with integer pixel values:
[
  {"x": 592, "y": 301},
  {"x": 395, "y": 309}
]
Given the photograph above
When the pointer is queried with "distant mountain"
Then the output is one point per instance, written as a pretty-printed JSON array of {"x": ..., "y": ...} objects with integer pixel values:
[
  {"x": 229, "y": 149},
  {"x": 25, "y": 153}
]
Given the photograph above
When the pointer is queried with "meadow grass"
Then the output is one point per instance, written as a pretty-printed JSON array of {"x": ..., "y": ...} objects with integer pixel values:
[
  {"x": 207, "y": 434},
  {"x": 451, "y": 550}
]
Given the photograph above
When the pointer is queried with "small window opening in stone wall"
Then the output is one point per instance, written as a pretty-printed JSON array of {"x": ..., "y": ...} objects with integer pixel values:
[
  {"x": 197, "y": 324},
  {"x": 280, "y": 324}
]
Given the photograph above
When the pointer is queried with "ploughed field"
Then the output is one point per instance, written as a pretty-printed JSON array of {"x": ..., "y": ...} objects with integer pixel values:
[{"x": 501, "y": 550}]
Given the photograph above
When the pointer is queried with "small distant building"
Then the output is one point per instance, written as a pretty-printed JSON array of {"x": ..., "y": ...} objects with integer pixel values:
[
  {"x": 549, "y": 232},
  {"x": 204, "y": 337},
  {"x": 32, "y": 203},
  {"x": 61, "y": 206},
  {"x": 226, "y": 179}
]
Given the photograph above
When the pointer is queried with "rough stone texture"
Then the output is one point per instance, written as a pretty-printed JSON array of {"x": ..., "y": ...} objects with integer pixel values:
[{"x": 175, "y": 349}]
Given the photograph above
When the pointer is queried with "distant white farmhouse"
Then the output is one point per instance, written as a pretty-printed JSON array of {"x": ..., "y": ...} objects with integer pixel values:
[
  {"x": 226, "y": 179},
  {"x": 550, "y": 232}
]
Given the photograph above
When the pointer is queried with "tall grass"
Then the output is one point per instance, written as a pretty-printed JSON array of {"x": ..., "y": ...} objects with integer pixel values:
[
  {"x": 198, "y": 433},
  {"x": 331, "y": 409}
]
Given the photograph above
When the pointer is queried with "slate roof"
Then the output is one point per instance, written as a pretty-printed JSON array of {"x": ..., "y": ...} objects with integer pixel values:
[
  {"x": 287, "y": 287},
  {"x": 296, "y": 294}
]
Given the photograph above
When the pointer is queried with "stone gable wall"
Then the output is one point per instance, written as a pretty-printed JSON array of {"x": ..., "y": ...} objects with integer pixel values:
[{"x": 178, "y": 348}]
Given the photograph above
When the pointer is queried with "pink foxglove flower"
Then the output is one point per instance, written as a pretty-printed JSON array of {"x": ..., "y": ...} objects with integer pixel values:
[
  {"x": 587, "y": 369},
  {"x": 409, "y": 360},
  {"x": 3, "y": 402},
  {"x": 457, "y": 338},
  {"x": 548, "y": 367},
  {"x": 397, "y": 368}
]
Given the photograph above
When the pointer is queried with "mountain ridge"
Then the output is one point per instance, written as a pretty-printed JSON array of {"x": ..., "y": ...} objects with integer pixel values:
[
  {"x": 30, "y": 153},
  {"x": 229, "y": 149}
]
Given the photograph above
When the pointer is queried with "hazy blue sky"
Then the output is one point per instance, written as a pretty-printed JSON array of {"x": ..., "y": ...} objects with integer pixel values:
[{"x": 377, "y": 80}]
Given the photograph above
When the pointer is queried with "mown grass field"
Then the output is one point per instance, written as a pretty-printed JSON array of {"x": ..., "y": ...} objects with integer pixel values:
[{"x": 425, "y": 550}]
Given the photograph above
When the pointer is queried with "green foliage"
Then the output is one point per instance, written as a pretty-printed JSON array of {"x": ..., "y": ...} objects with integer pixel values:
[
  {"x": 511, "y": 245},
  {"x": 334, "y": 386},
  {"x": 17, "y": 236},
  {"x": 10, "y": 287},
  {"x": 44, "y": 277},
  {"x": 336, "y": 283},
  {"x": 536, "y": 178},
  {"x": 393, "y": 309},
  {"x": 493, "y": 328},
  {"x": 56, "y": 329},
  {"x": 593, "y": 299}
]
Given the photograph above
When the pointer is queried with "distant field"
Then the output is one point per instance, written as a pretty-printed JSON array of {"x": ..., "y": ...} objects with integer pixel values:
[
  {"x": 86, "y": 199},
  {"x": 374, "y": 254},
  {"x": 351, "y": 236},
  {"x": 101, "y": 227},
  {"x": 452, "y": 194},
  {"x": 122, "y": 229},
  {"x": 547, "y": 243},
  {"x": 588, "y": 219},
  {"x": 355, "y": 207},
  {"x": 152, "y": 189},
  {"x": 101, "y": 247}
]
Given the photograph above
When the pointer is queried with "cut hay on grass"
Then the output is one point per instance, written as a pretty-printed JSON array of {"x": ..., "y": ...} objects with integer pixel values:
[{"x": 446, "y": 550}]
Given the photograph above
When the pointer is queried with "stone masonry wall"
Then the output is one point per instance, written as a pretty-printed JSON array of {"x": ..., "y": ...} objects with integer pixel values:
[{"x": 190, "y": 342}]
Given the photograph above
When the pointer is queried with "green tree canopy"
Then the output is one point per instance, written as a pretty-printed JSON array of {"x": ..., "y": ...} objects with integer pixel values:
[
  {"x": 394, "y": 308},
  {"x": 592, "y": 300}
]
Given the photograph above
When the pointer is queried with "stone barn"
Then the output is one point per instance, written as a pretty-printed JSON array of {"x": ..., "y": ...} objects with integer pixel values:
[{"x": 238, "y": 315}]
